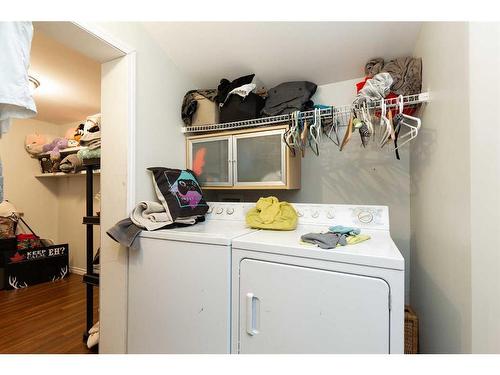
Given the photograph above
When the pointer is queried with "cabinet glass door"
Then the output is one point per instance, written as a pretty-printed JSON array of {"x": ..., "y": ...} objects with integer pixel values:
[
  {"x": 210, "y": 160},
  {"x": 259, "y": 158}
]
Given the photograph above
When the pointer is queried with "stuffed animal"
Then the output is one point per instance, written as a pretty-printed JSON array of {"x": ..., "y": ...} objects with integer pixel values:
[
  {"x": 54, "y": 148},
  {"x": 92, "y": 124},
  {"x": 71, "y": 137},
  {"x": 33, "y": 143},
  {"x": 78, "y": 132}
]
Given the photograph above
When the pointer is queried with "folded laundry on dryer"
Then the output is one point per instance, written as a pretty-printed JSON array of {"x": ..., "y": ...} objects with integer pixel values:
[
  {"x": 331, "y": 240},
  {"x": 325, "y": 240},
  {"x": 124, "y": 232},
  {"x": 149, "y": 216},
  {"x": 152, "y": 215},
  {"x": 344, "y": 230},
  {"x": 352, "y": 240}
]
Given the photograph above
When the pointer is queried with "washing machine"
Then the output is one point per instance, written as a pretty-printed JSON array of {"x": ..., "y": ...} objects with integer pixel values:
[
  {"x": 293, "y": 297},
  {"x": 180, "y": 285}
]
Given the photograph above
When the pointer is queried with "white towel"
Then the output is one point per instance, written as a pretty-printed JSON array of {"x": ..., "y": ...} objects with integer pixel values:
[{"x": 152, "y": 216}]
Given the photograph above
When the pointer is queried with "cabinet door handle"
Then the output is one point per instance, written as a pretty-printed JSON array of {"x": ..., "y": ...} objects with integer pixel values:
[{"x": 251, "y": 314}]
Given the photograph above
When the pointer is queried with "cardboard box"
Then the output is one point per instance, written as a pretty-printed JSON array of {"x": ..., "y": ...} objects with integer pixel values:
[{"x": 207, "y": 111}]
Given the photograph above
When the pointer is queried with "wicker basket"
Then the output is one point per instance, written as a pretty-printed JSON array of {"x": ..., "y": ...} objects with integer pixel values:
[{"x": 411, "y": 331}]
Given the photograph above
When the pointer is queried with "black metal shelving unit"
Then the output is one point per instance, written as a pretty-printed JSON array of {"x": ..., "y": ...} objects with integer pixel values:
[{"x": 90, "y": 278}]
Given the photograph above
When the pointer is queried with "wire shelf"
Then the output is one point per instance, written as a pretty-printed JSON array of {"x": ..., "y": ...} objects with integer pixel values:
[{"x": 339, "y": 113}]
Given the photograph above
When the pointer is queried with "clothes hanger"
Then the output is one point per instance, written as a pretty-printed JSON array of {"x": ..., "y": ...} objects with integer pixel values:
[
  {"x": 288, "y": 134},
  {"x": 333, "y": 128},
  {"x": 296, "y": 131},
  {"x": 315, "y": 132},
  {"x": 385, "y": 124},
  {"x": 367, "y": 119},
  {"x": 390, "y": 118},
  {"x": 297, "y": 142},
  {"x": 364, "y": 128},
  {"x": 392, "y": 132},
  {"x": 303, "y": 137},
  {"x": 348, "y": 132},
  {"x": 413, "y": 128}
]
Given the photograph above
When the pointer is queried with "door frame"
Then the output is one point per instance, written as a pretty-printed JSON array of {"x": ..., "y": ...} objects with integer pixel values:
[
  {"x": 114, "y": 324},
  {"x": 129, "y": 54}
]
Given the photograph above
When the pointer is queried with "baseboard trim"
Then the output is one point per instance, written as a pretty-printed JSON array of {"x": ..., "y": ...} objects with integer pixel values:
[{"x": 77, "y": 270}]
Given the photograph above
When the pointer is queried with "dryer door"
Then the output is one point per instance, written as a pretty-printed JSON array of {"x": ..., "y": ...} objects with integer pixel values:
[{"x": 291, "y": 309}]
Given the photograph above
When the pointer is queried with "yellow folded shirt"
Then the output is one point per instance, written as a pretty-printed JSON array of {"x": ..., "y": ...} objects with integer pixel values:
[{"x": 270, "y": 213}]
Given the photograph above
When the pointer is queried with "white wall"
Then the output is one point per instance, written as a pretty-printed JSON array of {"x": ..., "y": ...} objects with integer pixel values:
[
  {"x": 160, "y": 89},
  {"x": 440, "y": 192},
  {"x": 484, "y": 47},
  {"x": 37, "y": 198},
  {"x": 353, "y": 176}
]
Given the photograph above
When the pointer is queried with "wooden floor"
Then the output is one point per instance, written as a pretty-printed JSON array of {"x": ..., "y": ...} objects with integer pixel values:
[{"x": 46, "y": 318}]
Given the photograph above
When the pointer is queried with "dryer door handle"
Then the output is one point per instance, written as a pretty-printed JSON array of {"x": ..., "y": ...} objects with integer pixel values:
[{"x": 252, "y": 314}]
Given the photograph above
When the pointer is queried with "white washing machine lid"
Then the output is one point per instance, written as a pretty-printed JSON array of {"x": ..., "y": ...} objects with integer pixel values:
[
  {"x": 215, "y": 232},
  {"x": 379, "y": 251}
]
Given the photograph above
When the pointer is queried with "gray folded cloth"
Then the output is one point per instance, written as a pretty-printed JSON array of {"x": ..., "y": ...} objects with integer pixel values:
[
  {"x": 325, "y": 240},
  {"x": 71, "y": 163},
  {"x": 124, "y": 232}
]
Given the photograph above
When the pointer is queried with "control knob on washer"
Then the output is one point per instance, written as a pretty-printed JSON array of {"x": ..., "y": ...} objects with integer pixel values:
[{"x": 365, "y": 217}]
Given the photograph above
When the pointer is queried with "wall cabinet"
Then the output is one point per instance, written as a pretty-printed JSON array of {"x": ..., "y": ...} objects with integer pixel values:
[{"x": 245, "y": 159}]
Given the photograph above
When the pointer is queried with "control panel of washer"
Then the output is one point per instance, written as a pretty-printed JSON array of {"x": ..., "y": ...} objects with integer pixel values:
[
  {"x": 228, "y": 210},
  {"x": 374, "y": 217}
]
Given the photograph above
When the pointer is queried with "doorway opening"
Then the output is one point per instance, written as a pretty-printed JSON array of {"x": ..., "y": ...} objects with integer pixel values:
[{"x": 84, "y": 89}]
